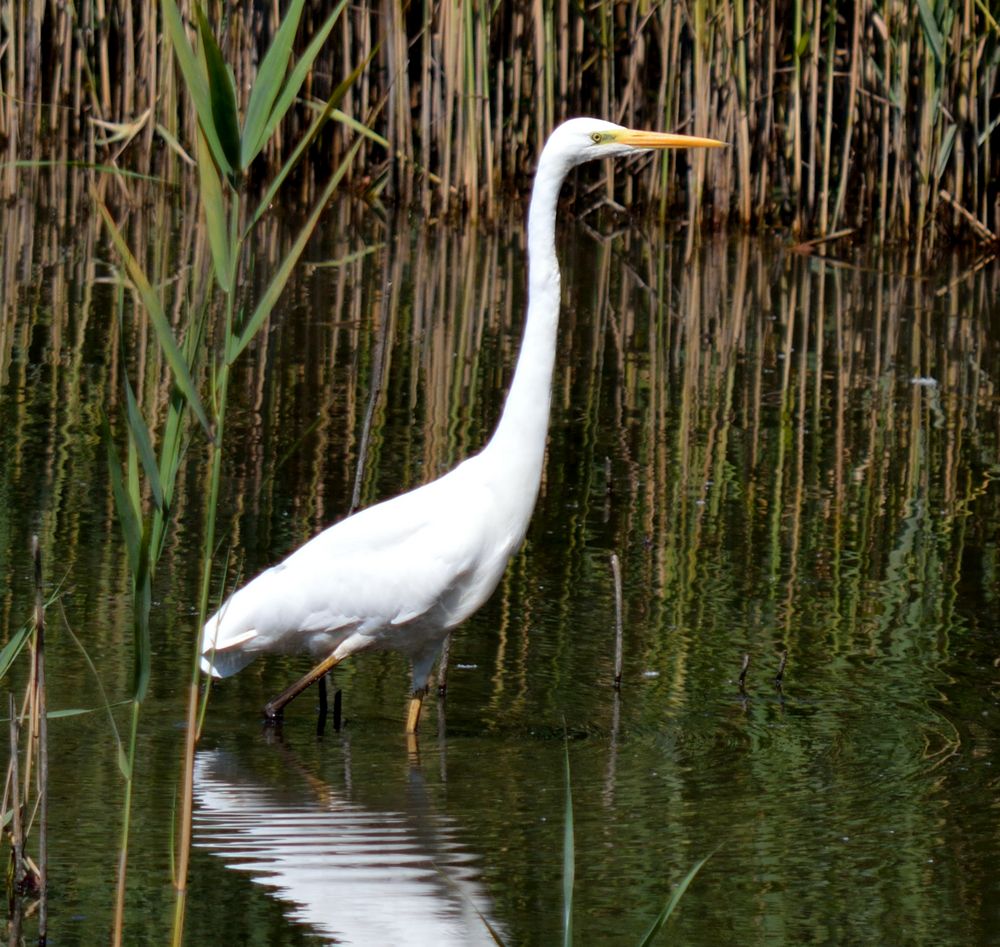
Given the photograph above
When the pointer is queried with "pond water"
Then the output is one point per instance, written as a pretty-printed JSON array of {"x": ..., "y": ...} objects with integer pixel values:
[{"x": 790, "y": 455}]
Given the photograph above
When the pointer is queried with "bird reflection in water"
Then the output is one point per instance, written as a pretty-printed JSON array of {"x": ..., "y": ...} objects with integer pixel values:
[{"x": 355, "y": 873}]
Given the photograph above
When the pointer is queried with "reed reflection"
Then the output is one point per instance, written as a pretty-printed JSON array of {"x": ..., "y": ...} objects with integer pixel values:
[{"x": 787, "y": 453}]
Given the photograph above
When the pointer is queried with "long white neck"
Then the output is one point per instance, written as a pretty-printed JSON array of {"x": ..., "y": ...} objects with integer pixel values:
[{"x": 519, "y": 441}]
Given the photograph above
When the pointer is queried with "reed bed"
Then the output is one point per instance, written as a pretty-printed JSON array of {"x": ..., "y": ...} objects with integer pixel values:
[{"x": 876, "y": 117}]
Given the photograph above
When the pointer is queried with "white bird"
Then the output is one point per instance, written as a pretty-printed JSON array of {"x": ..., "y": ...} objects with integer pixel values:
[{"x": 400, "y": 575}]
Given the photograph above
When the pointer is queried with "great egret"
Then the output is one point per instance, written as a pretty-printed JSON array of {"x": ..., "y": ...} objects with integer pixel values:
[{"x": 400, "y": 575}]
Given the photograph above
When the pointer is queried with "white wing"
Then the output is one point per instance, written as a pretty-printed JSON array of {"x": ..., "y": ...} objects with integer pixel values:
[{"x": 425, "y": 559}]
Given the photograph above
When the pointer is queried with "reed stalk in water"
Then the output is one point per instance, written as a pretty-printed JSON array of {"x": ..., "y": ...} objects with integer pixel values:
[{"x": 228, "y": 142}]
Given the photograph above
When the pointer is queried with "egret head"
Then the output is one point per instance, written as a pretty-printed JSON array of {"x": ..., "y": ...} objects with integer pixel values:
[{"x": 586, "y": 139}]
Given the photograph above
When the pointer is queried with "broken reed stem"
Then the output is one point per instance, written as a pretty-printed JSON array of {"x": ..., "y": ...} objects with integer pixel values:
[
  {"x": 616, "y": 573},
  {"x": 981, "y": 230},
  {"x": 14, "y": 795},
  {"x": 42, "y": 744}
]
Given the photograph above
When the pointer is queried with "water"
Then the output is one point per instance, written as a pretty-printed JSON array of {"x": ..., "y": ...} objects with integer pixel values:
[{"x": 789, "y": 454}]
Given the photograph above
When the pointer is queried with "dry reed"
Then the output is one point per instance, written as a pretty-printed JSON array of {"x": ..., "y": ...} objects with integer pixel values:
[{"x": 853, "y": 117}]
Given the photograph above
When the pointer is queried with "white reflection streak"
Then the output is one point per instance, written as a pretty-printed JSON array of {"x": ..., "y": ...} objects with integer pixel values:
[{"x": 356, "y": 875}]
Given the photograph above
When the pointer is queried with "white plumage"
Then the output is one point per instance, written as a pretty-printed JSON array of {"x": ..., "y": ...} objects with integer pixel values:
[{"x": 401, "y": 574}]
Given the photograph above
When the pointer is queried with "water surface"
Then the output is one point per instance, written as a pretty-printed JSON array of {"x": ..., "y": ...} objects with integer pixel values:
[{"x": 789, "y": 454}]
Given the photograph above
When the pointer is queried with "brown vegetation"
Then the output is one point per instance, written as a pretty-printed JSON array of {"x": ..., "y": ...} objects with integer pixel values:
[{"x": 879, "y": 116}]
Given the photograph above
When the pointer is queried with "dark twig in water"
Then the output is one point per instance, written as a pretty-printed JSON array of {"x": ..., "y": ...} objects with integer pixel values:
[
  {"x": 442, "y": 674},
  {"x": 616, "y": 573},
  {"x": 323, "y": 711},
  {"x": 337, "y": 710},
  {"x": 378, "y": 372},
  {"x": 743, "y": 672},
  {"x": 779, "y": 677}
]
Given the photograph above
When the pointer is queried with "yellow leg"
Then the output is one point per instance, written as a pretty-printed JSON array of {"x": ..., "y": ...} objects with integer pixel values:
[
  {"x": 273, "y": 709},
  {"x": 413, "y": 717}
]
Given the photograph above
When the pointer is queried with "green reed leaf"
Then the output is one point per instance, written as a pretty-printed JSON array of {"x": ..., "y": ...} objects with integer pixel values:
[
  {"x": 221, "y": 92},
  {"x": 321, "y": 118},
  {"x": 124, "y": 763},
  {"x": 672, "y": 903},
  {"x": 214, "y": 205},
  {"x": 128, "y": 515},
  {"x": 267, "y": 301},
  {"x": 803, "y": 44},
  {"x": 298, "y": 75},
  {"x": 195, "y": 80},
  {"x": 164, "y": 333},
  {"x": 13, "y": 648},
  {"x": 267, "y": 85},
  {"x": 139, "y": 434}
]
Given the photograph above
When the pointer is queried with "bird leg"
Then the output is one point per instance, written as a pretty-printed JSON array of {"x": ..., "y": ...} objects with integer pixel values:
[
  {"x": 273, "y": 708},
  {"x": 413, "y": 716}
]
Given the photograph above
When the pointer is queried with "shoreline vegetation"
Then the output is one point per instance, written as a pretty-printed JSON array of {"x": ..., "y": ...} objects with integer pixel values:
[
  {"x": 439, "y": 109},
  {"x": 878, "y": 119}
]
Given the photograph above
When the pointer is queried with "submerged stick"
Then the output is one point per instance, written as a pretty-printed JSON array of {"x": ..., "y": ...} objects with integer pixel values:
[
  {"x": 781, "y": 670},
  {"x": 743, "y": 672},
  {"x": 322, "y": 713},
  {"x": 616, "y": 574}
]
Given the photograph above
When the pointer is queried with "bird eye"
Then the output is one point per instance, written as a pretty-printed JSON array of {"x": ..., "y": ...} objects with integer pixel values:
[{"x": 596, "y": 138}]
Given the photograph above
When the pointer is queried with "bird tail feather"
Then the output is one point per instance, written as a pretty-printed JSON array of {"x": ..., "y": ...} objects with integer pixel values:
[{"x": 225, "y": 663}]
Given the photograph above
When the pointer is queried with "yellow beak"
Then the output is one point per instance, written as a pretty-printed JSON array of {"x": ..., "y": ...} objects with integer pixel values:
[{"x": 641, "y": 139}]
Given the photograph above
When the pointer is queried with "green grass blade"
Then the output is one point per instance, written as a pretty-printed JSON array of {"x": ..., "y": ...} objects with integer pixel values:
[
  {"x": 195, "y": 81},
  {"x": 267, "y": 85},
  {"x": 221, "y": 92},
  {"x": 139, "y": 432},
  {"x": 97, "y": 678},
  {"x": 944, "y": 154},
  {"x": 300, "y": 148},
  {"x": 569, "y": 859},
  {"x": 13, "y": 648},
  {"x": 215, "y": 217},
  {"x": 280, "y": 278},
  {"x": 669, "y": 907},
  {"x": 164, "y": 333},
  {"x": 932, "y": 32},
  {"x": 298, "y": 75}
]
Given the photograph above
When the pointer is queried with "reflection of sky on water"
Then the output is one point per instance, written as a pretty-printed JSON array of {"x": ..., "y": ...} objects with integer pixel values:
[{"x": 357, "y": 875}]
